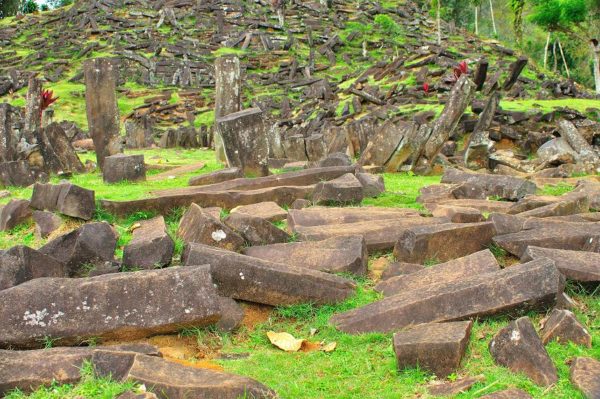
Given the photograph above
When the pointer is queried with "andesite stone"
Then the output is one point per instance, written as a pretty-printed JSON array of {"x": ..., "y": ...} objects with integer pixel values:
[
  {"x": 459, "y": 214},
  {"x": 256, "y": 230},
  {"x": 334, "y": 255},
  {"x": 108, "y": 307},
  {"x": 585, "y": 375},
  {"x": 150, "y": 246},
  {"x": 65, "y": 198},
  {"x": 518, "y": 347},
  {"x": 435, "y": 347},
  {"x": 267, "y": 210},
  {"x": 318, "y": 215},
  {"x": 477, "y": 263},
  {"x": 20, "y": 264},
  {"x": 562, "y": 325},
  {"x": 45, "y": 223},
  {"x": 121, "y": 167},
  {"x": 373, "y": 185},
  {"x": 256, "y": 280},
  {"x": 396, "y": 269},
  {"x": 344, "y": 189},
  {"x": 575, "y": 265},
  {"x": 511, "y": 393},
  {"x": 443, "y": 242},
  {"x": 534, "y": 285},
  {"x": 505, "y": 187},
  {"x": 216, "y": 177},
  {"x": 452, "y": 388},
  {"x": 232, "y": 315},
  {"x": 17, "y": 211},
  {"x": 198, "y": 226}
]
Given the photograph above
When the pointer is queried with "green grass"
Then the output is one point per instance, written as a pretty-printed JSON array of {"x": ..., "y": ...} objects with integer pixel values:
[{"x": 577, "y": 104}]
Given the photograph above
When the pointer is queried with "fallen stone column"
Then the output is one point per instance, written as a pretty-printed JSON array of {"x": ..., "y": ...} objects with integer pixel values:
[{"x": 113, "y": 306}]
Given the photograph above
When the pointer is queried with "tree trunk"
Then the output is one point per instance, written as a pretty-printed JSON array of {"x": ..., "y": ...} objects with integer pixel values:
[
  {"x": 596, "y": 57},
  {"x": 439, "y": 23},
  {"x": 477, "y": 20},
  {"x": 546, "y": 51},
  {"x": 562, "y": 54},
  {"x": 555, "y": 57},
  {"x": 493, "y": 20}
]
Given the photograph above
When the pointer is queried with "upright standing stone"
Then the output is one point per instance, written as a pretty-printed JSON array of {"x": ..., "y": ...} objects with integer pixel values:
[
  {"x": 9, "y": 138},
  {"x": 33, "y": 109},
  {"x": 101, "y": 106},
  {"x": 121, "y": 167},
  {"x": 244, "y": 135},
  {"x": 228, "y": 95}
]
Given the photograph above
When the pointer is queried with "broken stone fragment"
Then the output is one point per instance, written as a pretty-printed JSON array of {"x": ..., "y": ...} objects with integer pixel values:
[
  {"x": 122, "y": 167},
  {"x": 268, "y": 210},
  {"x": 257, "y": 280},
  {"x": 452, "y": 388},
  {"x": 575, "y": 265},
  {"x": 20, "y": 264},
  {"x": 344, "y": 189},
  {"x": 108, "y": 307},
  {"x": 65, "y": 198},
  {"x": 505, "y": 187},
  {"x": 531, "y": 286},
  {"x": 511, "y": 393},
  {"x": 255, "y": 230},
  {"x": 232, "y": 314},
  {"x": 29, "y": 370},
  {"x": 45, "y": 223},
  {"x": 518, "y": 347},
  {"x": 443, "y": 242},
  {"x": 199, "y": 226},
  {"x": 373, "y": 185},
  {"x": 563, "y": 326},
  {"x": 317, "y": 215},
  {"x": 216, "y": 177},
  {"x": 174, "y": 381},
  {"x": 585, "y": 375},
  {"x": 459, "y": 214},
  {"x": 334, "y": 255},
  {"x": 478, "y": 263},
  {"x": 89, "y": 245},
  {"x": 396, "y": 269},
  {"x": 568, "y": 206},
  {"x": 436, "y": 347},
  {"x": 17, "y": 211},
  {"x": 150, "y": 247}
]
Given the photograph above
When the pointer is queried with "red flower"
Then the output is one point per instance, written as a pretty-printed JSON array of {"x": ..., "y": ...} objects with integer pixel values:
[
  {"x": 48, "y": 98},
  {"x": 462, "y": 69},
  {"x": 426, "y": 87}
]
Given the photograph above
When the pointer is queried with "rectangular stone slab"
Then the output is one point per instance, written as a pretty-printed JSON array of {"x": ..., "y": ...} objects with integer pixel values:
[
  {"x": 443, "y": 242},
  {"x": 569, "y": 236},
  {"x": 174, "y": 381},
  {"x": 575, "y": 265},
  {"x": 479, "y": 204},
  {"x": 257, "y": 280},
  {"x": 506, "y": 187},
  {"x": 335, "y": 255},
  {"x": 317, "y": 216},
  {"x": 114, "y": 306},
  {"x": 533, "y": 285},
  {"x": 478, "y": 263},
  {"x": 379, "y": 235}
]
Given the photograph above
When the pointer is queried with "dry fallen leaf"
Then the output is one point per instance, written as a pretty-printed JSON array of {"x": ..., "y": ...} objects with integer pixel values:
[
  {"x": 135, "y": 226},
  {"x": 285, "y": 341},
  {"x": 330, "y": 347}
]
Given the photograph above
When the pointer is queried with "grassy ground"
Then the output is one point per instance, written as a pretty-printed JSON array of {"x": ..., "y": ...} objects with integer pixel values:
[{"x": 362, "y": 366}]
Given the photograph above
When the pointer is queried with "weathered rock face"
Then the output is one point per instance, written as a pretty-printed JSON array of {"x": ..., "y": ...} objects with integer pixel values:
[
  {"x": 317, "y": 216},
  {"x": 151, "y": 246},
  {"x": 216, "y": 177},
  {"x": 396, "y": 269},
  {"x": 435, "y": 347},
  {"x": 268, "y": 210},
  {"x": 228, "y": 94},
  {"x": 459, "y": 214},
  {"x": 585, "y": 375},
  {"x": 29, "y": 370},
  {"x": 533, "y": 285},
  {"x": 481, "y": 205},
  {"x": 335, "y": 255},
  {"x": 478, "y": 263},
  {"x": 21, "y": 263},
  {"x": 101, "y": 106},
  {"x": 255, "y": 230},
  {"x": 198, "y": 226},
  {"x": 511, "y": 393},
  {"x": 121, "y": 167},
  {"x": 244, "y": 135},
  {"x": 344, "y": 189},
  {"x": 232, "y": 315},
  {"x": 575, "y": 265},
  {"x": 256, "y": 280},
  {"x": 518, "y": 347},
  {"x": 567, "y": 236},
  {"x": 570, "y": 206},
  {"x": 45, "y": 223},
  {"x": 57, "y": 151},
  {"x": 112, "y": 306},
  {"x": 373, "y": 185},
  {"x": 9, "y": 136},
  {"x": 505, "y": 187},
  {"x": 66, "y": 198},
  {"x": 174, "y": 381},
  {"x": 452, "y": 388},
  {"x": 20, "y": 174},
  {"x": 443, "y": 242},
  {"x": 91, "y": 244},
  {"x": 14, "y": 213},
  {"x": 562, "y": 325}
]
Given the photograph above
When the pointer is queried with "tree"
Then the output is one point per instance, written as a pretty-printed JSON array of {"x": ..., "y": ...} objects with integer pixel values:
[
  {"x": 517, "y": 7},
  {"x": 9, "y": 8},
  {"x": 28, "y": 7},
  {"x": 575, "y": 18},
  {"x": 477, "y": 5}
]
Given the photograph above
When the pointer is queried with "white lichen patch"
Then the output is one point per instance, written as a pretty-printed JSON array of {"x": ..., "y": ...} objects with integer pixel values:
[
  {"x": 41, "y": 318},
  {"x": 515, "y": 335},
  {"x": 218, "y": 235}
]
